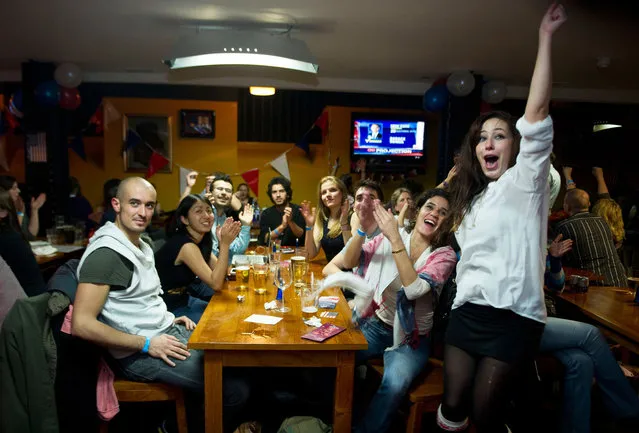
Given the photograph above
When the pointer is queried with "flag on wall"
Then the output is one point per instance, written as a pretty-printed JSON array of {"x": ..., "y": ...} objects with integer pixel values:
[
  {"x": 132, "y": 140},
  {"x": 280, "y": 164},
  {"x": 110, "y": 114},
  {"x": 252, "y": 179},
  {"x": 322, "y": 123},
  {"x": 77, "y": 145},
  {"x": 37, "y": 147}
]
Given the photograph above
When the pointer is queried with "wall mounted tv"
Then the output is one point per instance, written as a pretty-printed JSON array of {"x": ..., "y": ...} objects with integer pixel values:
[{"x": 389, "y": 141}]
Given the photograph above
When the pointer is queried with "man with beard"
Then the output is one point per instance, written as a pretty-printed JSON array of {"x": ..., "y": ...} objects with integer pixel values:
[{"x": 283, "y": 220}]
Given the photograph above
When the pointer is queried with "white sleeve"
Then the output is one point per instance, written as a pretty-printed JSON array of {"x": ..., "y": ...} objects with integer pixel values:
[{"x": 533, "y": 162}]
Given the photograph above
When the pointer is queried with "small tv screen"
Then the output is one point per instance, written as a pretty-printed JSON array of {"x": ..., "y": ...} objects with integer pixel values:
[{"x": 391, "y": 138}]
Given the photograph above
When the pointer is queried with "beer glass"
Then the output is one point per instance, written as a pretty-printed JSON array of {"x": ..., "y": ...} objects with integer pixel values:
[
  {"x": 309, "y": 302},
  {"x": 260, "y": 275},
  {"x": 242, "y": 270},
  {"x": 299, "y": 263}
]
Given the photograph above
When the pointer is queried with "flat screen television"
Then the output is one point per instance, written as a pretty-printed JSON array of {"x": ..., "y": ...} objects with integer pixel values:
[{"x": 387, "y": 139}]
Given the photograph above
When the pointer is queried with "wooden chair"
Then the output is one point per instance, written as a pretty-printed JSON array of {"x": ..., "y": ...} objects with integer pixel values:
[
  {"x": 425, "y": 393},
  {"x": 130, "y": 392}
]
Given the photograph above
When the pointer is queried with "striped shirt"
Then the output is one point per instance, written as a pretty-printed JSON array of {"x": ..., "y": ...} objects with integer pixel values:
[{"x": 593, "y": 248}]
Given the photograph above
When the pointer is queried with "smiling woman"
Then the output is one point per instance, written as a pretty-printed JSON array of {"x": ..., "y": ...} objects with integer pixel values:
[{"x": 187, "y": 254}]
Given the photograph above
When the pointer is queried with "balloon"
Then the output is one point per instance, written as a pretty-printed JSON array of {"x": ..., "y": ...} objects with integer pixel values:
[
  {"x": 494, "y": 92},
  {"x": 435, "y": 98},
  {"x": 69, "y": 98},
  {"x": 460, "y": 83},
  {"x": 68, "y": 75},
  {"x": 48, "y": 93}
]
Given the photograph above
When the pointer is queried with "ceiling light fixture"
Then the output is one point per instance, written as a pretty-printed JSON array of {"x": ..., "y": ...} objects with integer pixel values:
[
  {"x": 262, "y": 91},
  {"x": 243, "y": 48},
  {"x": 602, "y": 126}
]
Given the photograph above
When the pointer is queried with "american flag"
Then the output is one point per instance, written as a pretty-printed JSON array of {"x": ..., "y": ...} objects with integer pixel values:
[{"x": 37, "y": 147}]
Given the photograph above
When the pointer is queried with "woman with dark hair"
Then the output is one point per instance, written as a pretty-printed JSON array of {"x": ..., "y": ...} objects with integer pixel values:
[
  {"x": 30, "y": 224},
  {"x": 330, "y": 229},
  {"x": 407, "y": 272},
  {"x": 187, "y": 254},
  {"x": 79, "y": 206},
  {"x": 500, "y": 213},
  {"x": 15, "y": 250},
  {"x": 243, "y": 193}
]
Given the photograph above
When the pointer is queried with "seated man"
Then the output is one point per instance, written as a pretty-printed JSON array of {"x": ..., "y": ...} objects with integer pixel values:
[
  {"x": 593, "y": 245},
  {"x": 283, "y": 220},
  {"x": 366, "y": 192},
  {"x": 118, "y": 303}
]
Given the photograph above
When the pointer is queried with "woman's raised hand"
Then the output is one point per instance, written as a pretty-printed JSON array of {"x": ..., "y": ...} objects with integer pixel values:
[
  {"x": 553, "y": 19},
  {"x": 308, "y": 213}
]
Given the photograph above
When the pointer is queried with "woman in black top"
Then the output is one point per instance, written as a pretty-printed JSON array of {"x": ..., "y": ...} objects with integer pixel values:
[
  {"x": 330, "y": 229},
  {"x": 15, "y": 250},
  {"x": 187, "y": 254}
]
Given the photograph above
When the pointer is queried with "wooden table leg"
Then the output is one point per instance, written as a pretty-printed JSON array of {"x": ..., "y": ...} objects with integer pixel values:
[
  {"x": 342, "y": 413},
  {"x": 213, "y": 391}
]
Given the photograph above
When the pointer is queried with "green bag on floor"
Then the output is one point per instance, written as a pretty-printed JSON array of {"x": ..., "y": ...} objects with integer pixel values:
[{"x": 304, "y": 424}]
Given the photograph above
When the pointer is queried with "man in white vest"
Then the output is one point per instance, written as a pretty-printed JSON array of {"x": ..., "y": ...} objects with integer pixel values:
[{"x": 118, "y": 303}]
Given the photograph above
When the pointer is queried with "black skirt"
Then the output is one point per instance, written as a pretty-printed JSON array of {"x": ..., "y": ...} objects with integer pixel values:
[{"x": 497, "y": 333}]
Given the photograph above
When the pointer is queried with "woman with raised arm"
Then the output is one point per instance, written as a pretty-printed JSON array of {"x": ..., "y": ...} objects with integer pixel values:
[
  {"x": 187, "y": 254},
  {"x": 330, "y": 228},
  {"x": 500, "y": 203}
]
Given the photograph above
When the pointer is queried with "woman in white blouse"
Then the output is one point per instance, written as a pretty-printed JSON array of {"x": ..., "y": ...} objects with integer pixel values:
[{"x": 500, "y": 202}]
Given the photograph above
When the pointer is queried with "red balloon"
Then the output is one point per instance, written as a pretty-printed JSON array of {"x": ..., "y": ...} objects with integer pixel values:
[{"x": 69, "y": 98}]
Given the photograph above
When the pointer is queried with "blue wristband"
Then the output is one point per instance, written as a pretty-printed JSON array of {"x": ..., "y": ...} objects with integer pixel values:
[
  {"x": 361, "y": 232},
  {"x": 308, "y": 229},
  {"x": 147, "y": 343},
  {"x": 276, "y": 232}
]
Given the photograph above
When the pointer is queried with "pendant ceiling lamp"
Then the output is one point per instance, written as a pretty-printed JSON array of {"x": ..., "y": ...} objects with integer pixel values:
[{"x": 242, "y": 48}]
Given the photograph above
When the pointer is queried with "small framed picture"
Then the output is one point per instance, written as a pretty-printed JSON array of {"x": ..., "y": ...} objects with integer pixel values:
[
  {"x": 151, "y": 133},
  {"x": 197, "y": 124}
]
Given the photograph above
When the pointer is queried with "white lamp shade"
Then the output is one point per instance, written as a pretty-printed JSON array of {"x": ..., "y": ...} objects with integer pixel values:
[
  {"x": 262, "y": 91},
  {"x": 214, "y": 48}
]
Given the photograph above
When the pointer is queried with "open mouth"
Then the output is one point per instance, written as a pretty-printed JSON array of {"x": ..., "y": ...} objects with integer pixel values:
[
  {"x": 430, "y": 222},
  {"x": 491, "y": 162}
]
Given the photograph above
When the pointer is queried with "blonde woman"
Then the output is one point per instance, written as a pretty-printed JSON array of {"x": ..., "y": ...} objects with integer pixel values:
[{"x": 327, "y": 228}]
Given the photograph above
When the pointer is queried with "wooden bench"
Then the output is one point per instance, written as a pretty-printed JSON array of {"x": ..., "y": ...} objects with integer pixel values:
[
  {"x": 425, "y": 393},
  {"x": 131, "y": 392}
]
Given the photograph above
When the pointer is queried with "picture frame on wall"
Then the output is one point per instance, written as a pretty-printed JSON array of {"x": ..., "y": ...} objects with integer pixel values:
[
  {"x": 197, "y": 124},
  {"x": 148, "y": 133}
]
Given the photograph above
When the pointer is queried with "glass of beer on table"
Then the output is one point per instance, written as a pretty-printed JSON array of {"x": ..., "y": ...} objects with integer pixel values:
[
  {"x": 299, "y": 264},
  {"x": 309, "y": 302},
  {"x": 260, "y": 275},
  {"x": 242, "y": 270}
]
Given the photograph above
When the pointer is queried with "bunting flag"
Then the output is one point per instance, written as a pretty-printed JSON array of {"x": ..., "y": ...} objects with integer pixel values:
[
  {"x": 183, "y": 174},
  {"x": 156, "y": 163},
  {"x": 280, "y": 164},
  {"x": 98, "y": 120},
  {"x": 110, "y": 114},
  {"x": 12, "y": 122},
  {"x": 252, "y": 179},
  {"x": 303, "y": 144},
  {"x": 77, "y": 145},
  {"x": 322, "y": 123},
  {"x": 132, "y": 140}
]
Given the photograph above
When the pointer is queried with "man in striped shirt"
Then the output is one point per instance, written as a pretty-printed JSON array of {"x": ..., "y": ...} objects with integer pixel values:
[{"x": 593, "y": 247}]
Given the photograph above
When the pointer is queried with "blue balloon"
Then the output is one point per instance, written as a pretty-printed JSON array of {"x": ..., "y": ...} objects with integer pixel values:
[
  {"x": 436, "y": 98},
  {"x": 48, "y": 93}
]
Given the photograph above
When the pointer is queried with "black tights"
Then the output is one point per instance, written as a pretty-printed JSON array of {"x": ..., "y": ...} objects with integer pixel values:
[{"x": 475, "y": 386}]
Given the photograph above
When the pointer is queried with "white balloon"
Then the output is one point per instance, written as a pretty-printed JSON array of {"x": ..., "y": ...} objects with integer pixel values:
[
  {"x": 494, "y": 92},
  {"x": 460, "y": 83},
  {"x": 68, "y": 75}
]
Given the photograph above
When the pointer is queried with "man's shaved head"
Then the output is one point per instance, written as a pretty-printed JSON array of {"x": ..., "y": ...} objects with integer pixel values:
[
  {"x": 576, "y": 200},
  {"x": 129, "y": 182}
]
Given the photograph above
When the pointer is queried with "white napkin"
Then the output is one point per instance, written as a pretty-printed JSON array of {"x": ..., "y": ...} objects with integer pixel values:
[
  {"x": 270, "y": 305},
  {"x": 313, "y": 321},
  {"x": 44, "y": 251}
]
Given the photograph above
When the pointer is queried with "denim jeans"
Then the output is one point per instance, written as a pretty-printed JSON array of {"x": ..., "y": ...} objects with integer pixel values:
[
  {"x": 188, "y": 374},
  {"x": 401, "y": 366},
  {"x": 193, "y": 310},
  {"x": 585, "y": 354}
]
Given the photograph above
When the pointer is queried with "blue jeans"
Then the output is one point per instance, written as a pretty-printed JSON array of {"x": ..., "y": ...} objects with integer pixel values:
[
  {"x": 585, "y": 354},
  {"x": 188, "y": 374},
  {"x": 401, "y": 366},
  {"x": 193, "y": 310}
]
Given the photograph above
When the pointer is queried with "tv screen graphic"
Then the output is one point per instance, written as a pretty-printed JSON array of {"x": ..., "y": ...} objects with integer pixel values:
[{"x": 388, "y": 138}]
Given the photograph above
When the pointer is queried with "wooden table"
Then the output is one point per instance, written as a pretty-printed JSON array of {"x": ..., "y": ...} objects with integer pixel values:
[
  {"x": 229, "y": 341},
  {"x": 582, "y": 273},
  {"x": 612, "y": 308},
  {"x": 49, "y": 264}
]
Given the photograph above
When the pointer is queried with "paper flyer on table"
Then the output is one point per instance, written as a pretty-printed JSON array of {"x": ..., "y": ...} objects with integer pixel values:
[{"x": 261, "y": 318}]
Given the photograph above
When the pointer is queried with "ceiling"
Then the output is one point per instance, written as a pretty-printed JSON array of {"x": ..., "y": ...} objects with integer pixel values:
[{"x": 372, "y": 41}]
